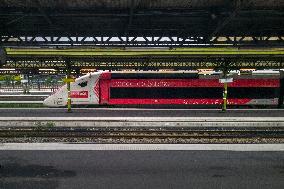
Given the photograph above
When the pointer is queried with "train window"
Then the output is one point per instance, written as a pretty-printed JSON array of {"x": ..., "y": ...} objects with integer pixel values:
[
  {"x": 253, "y": 92},
  {"x": 194, "y": 92},
  {"x": 83, "y": 84},
  {"x": 169, "y": 93}
]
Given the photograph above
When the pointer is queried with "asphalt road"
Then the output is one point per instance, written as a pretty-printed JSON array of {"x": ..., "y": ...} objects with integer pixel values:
[
  {"x": 141, "y": 169},
  {"x": 112, "y": 112}
]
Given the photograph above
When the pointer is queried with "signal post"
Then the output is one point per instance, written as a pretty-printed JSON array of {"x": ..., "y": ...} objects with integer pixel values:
[
  {"x": 225, "y": 80},
  {"x": 68, "y": 81}
]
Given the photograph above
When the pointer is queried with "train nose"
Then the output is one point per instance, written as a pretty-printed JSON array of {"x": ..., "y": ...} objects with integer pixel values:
[{"x": 48, "y": 102}]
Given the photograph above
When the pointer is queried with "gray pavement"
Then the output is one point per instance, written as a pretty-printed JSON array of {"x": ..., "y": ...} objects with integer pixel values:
[
  {"x": 141, "y": 169},
  {"x": 130, "y": 112}
]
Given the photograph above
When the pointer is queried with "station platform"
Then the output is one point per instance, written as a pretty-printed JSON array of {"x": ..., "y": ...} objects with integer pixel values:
[
  {"x": 131, "y": 166},
  {"x": 119, "y": 117},
  {"x": 138, "y": 112},
  {"x": 142, "y": 147}
]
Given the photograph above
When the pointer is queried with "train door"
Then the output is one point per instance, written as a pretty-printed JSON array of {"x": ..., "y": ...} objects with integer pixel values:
[
  {"x": 94, "y": 88},
  {"x": 104, "y": 88}
]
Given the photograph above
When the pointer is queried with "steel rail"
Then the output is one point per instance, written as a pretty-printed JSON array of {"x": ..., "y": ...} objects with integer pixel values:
[{"x": 140, "y": 133}]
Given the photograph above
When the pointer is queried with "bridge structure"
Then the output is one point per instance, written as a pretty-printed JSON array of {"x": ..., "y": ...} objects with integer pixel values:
[{"x": 141, "y": 34}]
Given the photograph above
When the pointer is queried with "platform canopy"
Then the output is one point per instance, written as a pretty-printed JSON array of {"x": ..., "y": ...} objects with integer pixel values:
[
  {"x": 142, "y": 22},
  {"x": 33, "y": 59}
]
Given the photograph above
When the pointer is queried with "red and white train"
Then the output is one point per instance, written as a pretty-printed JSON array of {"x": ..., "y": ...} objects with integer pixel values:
[{"x": 169, "y": 88}]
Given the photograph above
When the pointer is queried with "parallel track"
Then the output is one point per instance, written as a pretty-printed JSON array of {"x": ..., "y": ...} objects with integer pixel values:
[{"x": 157, "y": 133}]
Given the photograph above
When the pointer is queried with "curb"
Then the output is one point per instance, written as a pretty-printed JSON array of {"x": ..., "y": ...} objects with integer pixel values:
[{"x": 141, "y": 122}]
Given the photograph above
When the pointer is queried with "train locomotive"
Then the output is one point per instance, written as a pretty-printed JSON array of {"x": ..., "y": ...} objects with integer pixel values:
[{"x": 169, "y": 88}]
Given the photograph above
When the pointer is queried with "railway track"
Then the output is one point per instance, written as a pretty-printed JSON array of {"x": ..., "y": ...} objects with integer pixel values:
[{"x": 145, "y": 134}]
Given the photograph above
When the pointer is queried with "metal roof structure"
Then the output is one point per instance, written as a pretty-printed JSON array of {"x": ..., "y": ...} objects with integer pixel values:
[
  {"x": 142, "y": 22},
  {"x": 249, "y": 26},
  {"x": 144, "y": 59}
]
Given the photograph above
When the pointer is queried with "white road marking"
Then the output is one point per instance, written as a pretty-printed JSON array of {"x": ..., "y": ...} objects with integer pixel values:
[{"x": 150, "y": 147}]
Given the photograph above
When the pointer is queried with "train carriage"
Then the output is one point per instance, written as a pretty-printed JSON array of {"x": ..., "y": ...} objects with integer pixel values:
[{"x": 169, "y": 88}]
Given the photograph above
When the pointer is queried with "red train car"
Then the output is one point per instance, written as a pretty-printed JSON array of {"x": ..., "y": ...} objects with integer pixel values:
[{"x": 172, "y": 88}]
